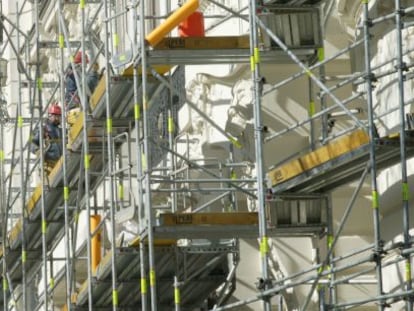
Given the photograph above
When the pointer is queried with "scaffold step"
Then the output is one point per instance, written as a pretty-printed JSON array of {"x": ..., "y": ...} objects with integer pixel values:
[{"x": 205, "y": 271}]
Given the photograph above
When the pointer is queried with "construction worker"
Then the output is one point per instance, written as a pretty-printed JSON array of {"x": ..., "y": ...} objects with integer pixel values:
[
  {"x": 52, "y": 134},
  {"x": 72, "y": 96}
]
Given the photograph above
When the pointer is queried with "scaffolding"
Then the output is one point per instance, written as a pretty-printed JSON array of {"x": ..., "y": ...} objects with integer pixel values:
[{"x": 125, "y": 159}]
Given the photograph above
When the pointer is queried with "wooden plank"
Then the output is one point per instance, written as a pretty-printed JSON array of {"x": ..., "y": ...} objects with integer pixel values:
[
  {"x": 37, "y": 193},
  {"x": 234, "y": 218},
  {"x": 203, "y": 43},
  {"x": 318, "y": 157},
  {"x": 75, "y": 129},
  {"x": 285, "y": 172},
  {"x": 98, "y": 93}
]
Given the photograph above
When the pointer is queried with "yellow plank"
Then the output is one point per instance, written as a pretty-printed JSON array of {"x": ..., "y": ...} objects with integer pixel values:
[
  {"x": 37, "y": 193},
  {"x": 239, "y": 218},
  {"x": 203, "y": 43},
  {"x": 285, "y": 172},
  {"x": 157, "y": 242},
  {"x": 15, "y": 231},
  {"x": 56, "y": 169},
  {"x": 334, "y": 149},
  {"x": 318, "y": 157},
  {"x": 98, "y": 93},
  {"x": 75, "y": 129},
  {"x": 161, "y": 69}
]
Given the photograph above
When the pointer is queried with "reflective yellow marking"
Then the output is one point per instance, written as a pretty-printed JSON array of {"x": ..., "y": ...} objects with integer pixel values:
[
  {"x": 375, "y": 201},
  {"x": 170, "y": 125},
  {"x": 109, "y": 125},
  {"x": 143, "y": 285},
  {"x": 116, "y": 40},
  {"x": 44, "y": 226},
  {"x": 235, "y": 142},
  {"x": 152, "y": 277},
  {"x": 311, "y": 108},
  {"x": 66, "y": 193},
  {"x": 256, "y": 56},
  {"x": 61, "y": 41},
  {"x": 405, "y": 191},
  {"x": 121, "y": 192},
  {"x": 321, "y": 54},
  {"x": 20, "y": 121},
  {"x": 86, "y": 160},
  {"x": 82, "y": 4},
  {"x": 24, "y": 256},
  {"x": 177, "y": 297},
  {"x": 115, "y": 297},
  {"x": 264, "y": 247},
  {"x": 408, "y": 271}
]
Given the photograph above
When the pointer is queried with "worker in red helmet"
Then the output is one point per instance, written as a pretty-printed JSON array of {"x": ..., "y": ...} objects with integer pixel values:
[
  {"x": 52, "y": 137},
  {"x": 78, "y": 58},
  {"x": 72, "y": 95}
]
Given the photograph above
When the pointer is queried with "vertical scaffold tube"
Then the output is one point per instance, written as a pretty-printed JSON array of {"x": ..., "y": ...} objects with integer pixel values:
[
  {"x": 372, "y": 156},
  {"x": 137, "y": 118},
  {"x": 403, "y": 151},
  {"x": 68, "y": 261},
  {"x": 110, "y": 157},
  {"x": 86, "y": 159},
  {"x": 43, "y": 226},
  {"x": 22, "y": 176},
  {"x": 258, "y": 132},
  {"x": 147, "y": 158}
]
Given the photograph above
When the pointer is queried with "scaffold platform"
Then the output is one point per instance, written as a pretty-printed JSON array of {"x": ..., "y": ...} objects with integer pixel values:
[{"x": 337, "y": 163}]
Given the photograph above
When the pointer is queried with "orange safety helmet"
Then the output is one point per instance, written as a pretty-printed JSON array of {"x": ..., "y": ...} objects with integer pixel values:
[
  {"x": 78, "y": 58},
  {"x": 55, "y": 109}
]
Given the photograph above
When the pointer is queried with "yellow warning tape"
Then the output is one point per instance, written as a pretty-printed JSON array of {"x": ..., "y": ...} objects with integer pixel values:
[
  {"x": 321, "y": 54},
  {"x": 82, "y": 4},
  {"x": 20, "y": 121},
  {"x": 408, "y": 271},
  {"x": 39, "y": 83},
  {"x": 256, "y": 55}
]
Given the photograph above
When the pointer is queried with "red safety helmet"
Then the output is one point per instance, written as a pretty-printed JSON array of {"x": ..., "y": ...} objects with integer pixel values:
[
  {"x": 78, "y": 58},
  {"x": 55, "y": 109}
]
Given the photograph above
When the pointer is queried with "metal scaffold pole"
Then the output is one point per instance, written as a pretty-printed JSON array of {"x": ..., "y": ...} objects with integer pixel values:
[
  {"x": 401, "y": 67},
  {"x": 138, "y": 123},
  {"x": 147, "y": 157},
  {"x": 86, "y": 155},
  {"x": 111, "y": 158},
  {"x": 258, "y": 127},
  {"x": 378, "y": 248},
  {"x": 44, "y": 223},
  {"x": 68, "y": 259},
  {"x": 23, "y": 181}
]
